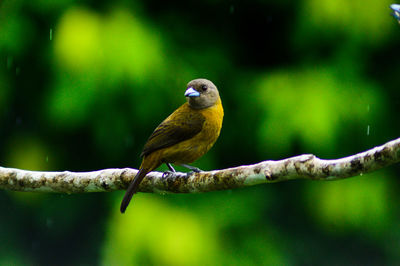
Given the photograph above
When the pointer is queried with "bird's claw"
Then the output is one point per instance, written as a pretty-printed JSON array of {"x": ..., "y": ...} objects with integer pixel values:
[
  {"x": 192, "y": 168},
  {"x": 195, "y": 170},
  {"x": 188, "y": 174},
  {"x": 167, "y": 174},
  {"x": 170, "y": 174}
]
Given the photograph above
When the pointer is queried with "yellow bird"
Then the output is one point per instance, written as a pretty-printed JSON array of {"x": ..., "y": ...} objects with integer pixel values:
[{"x": 184, "y": 136}]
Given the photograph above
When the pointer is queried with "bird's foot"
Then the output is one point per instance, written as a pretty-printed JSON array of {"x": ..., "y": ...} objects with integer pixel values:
[
  {"x": 192, "y": 168},
  {"x": 167, "y": 174},
  {"x": 170, "y": 174},
  {"x": 188, "y": 174}
]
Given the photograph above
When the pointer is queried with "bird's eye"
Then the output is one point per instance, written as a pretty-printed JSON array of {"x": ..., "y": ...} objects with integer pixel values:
[{"x": 204, "y": 87}]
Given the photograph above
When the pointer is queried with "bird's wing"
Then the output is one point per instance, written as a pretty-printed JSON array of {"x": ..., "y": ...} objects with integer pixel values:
[{"x": 179, "y": 126}]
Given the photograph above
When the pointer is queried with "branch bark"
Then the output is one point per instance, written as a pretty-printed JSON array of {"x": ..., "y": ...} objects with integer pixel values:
[{"x": 305, "y": 166}]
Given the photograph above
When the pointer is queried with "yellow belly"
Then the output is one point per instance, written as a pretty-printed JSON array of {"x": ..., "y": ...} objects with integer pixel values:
[{"x": 190, "y": 150}]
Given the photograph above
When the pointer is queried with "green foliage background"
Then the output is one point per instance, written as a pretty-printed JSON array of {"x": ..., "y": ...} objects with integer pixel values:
[{"x": 84, "y": 83}]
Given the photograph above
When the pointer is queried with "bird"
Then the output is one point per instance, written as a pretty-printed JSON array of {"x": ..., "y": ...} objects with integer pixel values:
[{"x": 184, "y": 136}]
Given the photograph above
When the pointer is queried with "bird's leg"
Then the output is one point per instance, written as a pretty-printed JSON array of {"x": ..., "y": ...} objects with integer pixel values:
[
  {"x": 192, "y": 168},
  {"x": 169, "y": 173},
  {"x": 172, "y": 172},
  {"x": 170, "y": 167}
]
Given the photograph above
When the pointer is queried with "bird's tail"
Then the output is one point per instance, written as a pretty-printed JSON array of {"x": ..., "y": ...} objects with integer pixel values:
[{"x": 132, "y": 189}]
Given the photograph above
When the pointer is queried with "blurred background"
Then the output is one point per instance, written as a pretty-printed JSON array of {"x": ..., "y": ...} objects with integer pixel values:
[{"x": 84, "y": 83}]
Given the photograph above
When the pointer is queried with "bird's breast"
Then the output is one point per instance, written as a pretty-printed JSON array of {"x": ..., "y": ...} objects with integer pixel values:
[{"x": 190, "y": 150}]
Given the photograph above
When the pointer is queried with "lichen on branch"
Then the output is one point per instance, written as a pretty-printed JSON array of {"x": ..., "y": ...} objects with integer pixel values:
[{"x": 305, "y": 166}]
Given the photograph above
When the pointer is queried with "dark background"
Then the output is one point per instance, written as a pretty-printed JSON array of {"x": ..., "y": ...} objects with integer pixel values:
[{"x": 83, "y": 84}]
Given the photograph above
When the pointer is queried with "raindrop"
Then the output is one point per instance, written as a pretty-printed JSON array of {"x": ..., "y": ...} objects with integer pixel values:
[
  {"x": 368, "y": 130},
  {"x": 361, "y": 174},
  {"x": 47, "y": 159},
  {"x": 51, "y": 34},
  {"x": 368, "y": 108}
]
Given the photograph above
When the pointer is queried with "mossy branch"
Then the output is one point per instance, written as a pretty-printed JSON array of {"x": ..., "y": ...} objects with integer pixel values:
[{"x": 305, "y": 166}]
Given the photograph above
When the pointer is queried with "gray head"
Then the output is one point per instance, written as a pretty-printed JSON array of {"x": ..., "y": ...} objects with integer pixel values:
[{"x": 201, "y": 93}]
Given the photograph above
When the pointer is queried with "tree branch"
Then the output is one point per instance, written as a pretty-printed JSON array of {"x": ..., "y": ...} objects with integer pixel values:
[{"x": 305, "y": 166}]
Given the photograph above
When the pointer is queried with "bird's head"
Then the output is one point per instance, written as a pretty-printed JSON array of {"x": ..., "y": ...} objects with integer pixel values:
[{"x": 201, "y": 93}]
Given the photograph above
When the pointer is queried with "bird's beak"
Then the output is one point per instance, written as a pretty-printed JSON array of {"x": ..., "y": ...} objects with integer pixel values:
[
  {"x": 396, "y": 9},
  {"x": 190, "y": 92}
]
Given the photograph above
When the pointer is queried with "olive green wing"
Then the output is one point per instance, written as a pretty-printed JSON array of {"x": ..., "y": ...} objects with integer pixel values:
[{"x": 179, "y": 126}]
